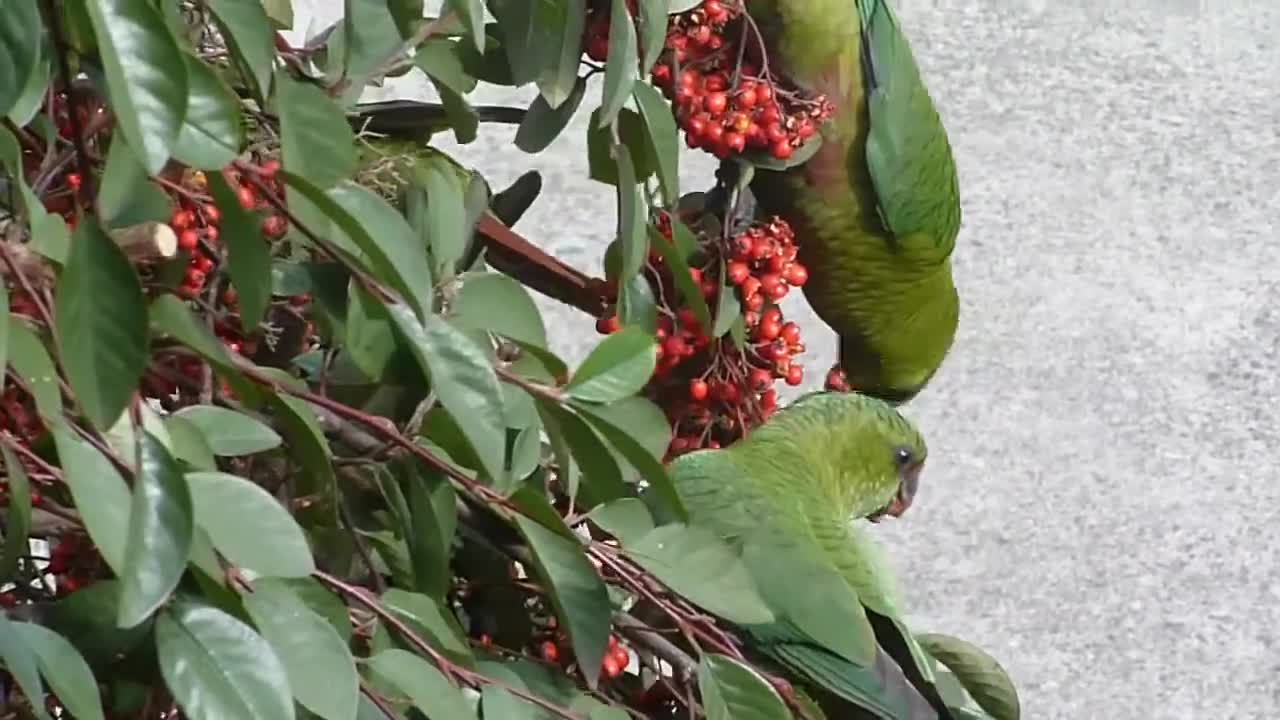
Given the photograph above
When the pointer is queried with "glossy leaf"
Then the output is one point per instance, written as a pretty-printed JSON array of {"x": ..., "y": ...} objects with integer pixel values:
[
  {"x": 445, "y": 216},
  {"x": 637, "y": 306},
  {"x": 472, "y": 14},
  {"x": 146, "y": 76},
  {"x": 425, "y": 686},
  {"x": 188, "y": 444},
  {"x": 440, "y": 59},
  {"x": 631, "y": 224},
  {"x": 618, "y": 367},
  {"x": 697, "y": 565},
  {"x": 733, "y": 691},
  {"x": 542, "y": 124},
  {"x": 248, "y": 257},
  {"x": 249, "y": 526},
  {"x": 29, "y": 100},
  {"x": 170, "y": 316},
  {"x": 370, "y": 337},
  {"x": 101, "y": 325},
  {"x": 433, "y": 512},
  {"x": 18, "y": 518},
  {"x": 433, "y": 621},
  {"x": 577, "y": 593},
  {"x": 21, "y": 663},
  {"x": 369, "y": 36},
  {"x": 495, "y": 302},
  {"x": 379, "y": 232},
  {"x": 245, "y": 27},
  {"x": 463, "y": 381},
  {"x": 981, "y": 675},
  {"x": 316, "y": 141},
  {"x": 627, "y": 519},
  {"x": 218, "y": 667},
  {"x": 543, "y": 43},
  {"x": 305, "y": 440},
  {"x": 661, "y": 136},
  {"x": 690, "y": 291},
  {"x": 728, "y": 310},
  {"x": 20, "y": 25},
  {"x": 576, "y": 446},
  {"x": 31, "y": 361},
  {"x": 618, "y": 424},
  {"x": 230, "y": 433},
  {"x": 160, "y": 532},
  {"x": 126, "y": 196},
  {"x": 65, "y": 670},
  {"x": 620, "y": 65},
  {"x": 211, "y": 132},
  {"x": 317, "y": 661},
  {"x": 653, "y": 33},
  {"x": 100, "y": 495}
]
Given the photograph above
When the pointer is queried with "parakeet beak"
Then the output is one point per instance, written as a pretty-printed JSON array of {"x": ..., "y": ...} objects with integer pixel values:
[{"x": 907, "y": 484}]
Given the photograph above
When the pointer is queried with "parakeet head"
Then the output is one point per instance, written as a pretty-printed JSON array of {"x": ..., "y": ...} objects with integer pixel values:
[{"x": 864, "y": 453}]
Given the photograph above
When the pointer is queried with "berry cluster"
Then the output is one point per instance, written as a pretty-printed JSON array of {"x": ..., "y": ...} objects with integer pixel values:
[
  {"x": 712, "y": 390},
  {"x": 725, "y": 104},
  {"x": 556, "y": 651},
  {"x": 18, "y": 415}
]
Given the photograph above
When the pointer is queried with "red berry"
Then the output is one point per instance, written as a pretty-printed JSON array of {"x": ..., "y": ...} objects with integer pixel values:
[
  {"x": 797, "y": 274},
  {"x": 778, "y": 291},
  {"x": 608, "y": 325},
  {"x": 781, "y": 149},
  {"x": 211, "y": 213},
  {"x": 805, "y": 130},
  {"x": 698, "y": 389},
  {"x": 211, "y": 233},
  {"x": 709, "y": 288},
  {"x": 8, "y": 600},
  {"x": 759, "y": 379},
  {"x": 696, "y": 275},
  {"x": 713, "y": 9},
  {"x": 194, "y": 278},
  {"x": 738, "y": 272},
  {"x": 716, "y": 103},
  {"x": 688, "y": 320},
  {"x": 773, "y": 314},
  {"x": 761, "y": 248},
  {"x": 270, "y": 168},
  {"x": 610, "y": 667},
  {"x": 73, "y": 181},
  {"x": 713, "y": 135},
  {"x": 274, "y": 226},
  {"x": 550, "y": 652},
  {"x": 36, "y": 497},
  {"x": 181, "y": 220},
  {"x": 750, "y": 286},
  {"x": 790, "y": 333},
  {"x": 769, "y": 399},
  {"x": 675, "y": 346},
  {"x": 768, "y": 330},
  {"x": 246, "y": 197},
  {"x": 661, "y": 74},
  {"x": 754, "y": 302},
  {"x": 188, "y": 240},
  {"x": 747, "y": 99},
  {"x": 68, "y": 584},
  {"x": 689, "y": 79},
  {"x": 716, "y": 83},
  {"x": 735, "y": 141}
]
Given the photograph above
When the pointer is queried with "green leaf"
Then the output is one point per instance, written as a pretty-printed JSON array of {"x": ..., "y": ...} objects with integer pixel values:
[
  {"x": 463, "y": 381},
  {"x": 4, "y": 330},
  {"x": 211, "y": 133},
  {"x": 472, "y": 14},
  {"x": 446, "y": 218},
  {"x": 101, "y": 325},
  {"x": 230, "y": 433},
  {"x": 306, "y": 442},
  {"x": 245, "y": 27},
  {"x": 980, "y": 674},
  {"x": 697, "y": 565},
  {"x": 370, "y": 338},
  {"x": 315, "y": 138},
  {"x": 21, "y": 663},
  {"x": 620, "y": 65},
  {"x": 653, "y": 29},
  {"x": 99, "y": 493},
  {"x": 618, "y": 367},
  {"x": 67, "y": 673},
  {"x": 18, "y": 525},
  {"x": 631, "y": 227},
  {"x": 393, "y": 253},
  {"x": 627, "y": 519},
  {"x": 433, "y": 622},
  {"x": 690, "y": 291},
  {"x": 317, "y": 661},
  {"x": 433, "y": 512},
  {"x": 280, "y": 13},
  {"x": 31, "y": 98},
  {"x": 249, "y": 526},
  {"x": 370, "y": 36},
  {"x": 146, "y": 76},
  {"x": 577, "y": 446},
  {"x": 653, "y": 430},
  {"x": 218, "y": 667},
  {"x": 20, "y": 36},
  {"x": 543, "y": 42},
  {"x": 170, "y": 316},
  {"x": 160, "y": 530},
  {"x": 660, "y": 133},
  {"x": 733, "y": 691},
  {"x": 30, "y": 360},
  {"x": 494, "y": 302},
  {"x": 637, "y": 307},
  {"x": 49, "y": 235},
  {"x": 188, "y": 444},
  {"x": 542, "y": 123},
  {"x": 425, "y": 686},
  {"x": 88, "y": 617},
  {"x": 441, "y": 60},
  {"x": 127, "y": 196},
  {"x": 728, "y": 310},
  {"x": 577, "y": 593},
  {"x": 463, "y": 118},
  {"x": 249, "y": 259}
]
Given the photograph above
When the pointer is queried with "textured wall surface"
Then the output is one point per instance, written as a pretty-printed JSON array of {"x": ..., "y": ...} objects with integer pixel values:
[{"x": 1102, "y": 504}]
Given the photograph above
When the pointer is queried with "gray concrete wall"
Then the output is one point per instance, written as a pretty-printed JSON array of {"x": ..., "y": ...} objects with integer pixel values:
[{"x": 1102, "y": 504}]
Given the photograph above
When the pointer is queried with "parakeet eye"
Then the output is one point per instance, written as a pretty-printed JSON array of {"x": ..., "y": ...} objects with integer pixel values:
[{"x": 903, "y": 456}]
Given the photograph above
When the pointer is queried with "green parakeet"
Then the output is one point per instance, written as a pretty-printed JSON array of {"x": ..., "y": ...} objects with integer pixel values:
[
  {"x": 876, "y": 210},
  {"x": 787, "y": 496}
]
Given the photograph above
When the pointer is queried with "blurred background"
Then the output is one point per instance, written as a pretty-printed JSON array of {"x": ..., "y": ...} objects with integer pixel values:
[{"x": 1101, "y": 509}]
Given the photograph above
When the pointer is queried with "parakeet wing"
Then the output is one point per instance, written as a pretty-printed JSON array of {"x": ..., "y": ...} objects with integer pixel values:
[{"x": 907, "y": 152}]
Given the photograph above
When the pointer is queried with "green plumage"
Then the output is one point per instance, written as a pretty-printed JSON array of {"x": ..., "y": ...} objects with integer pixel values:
[
  {"x": 876, "y": 210},
  {"x": 787, "y": 496}
]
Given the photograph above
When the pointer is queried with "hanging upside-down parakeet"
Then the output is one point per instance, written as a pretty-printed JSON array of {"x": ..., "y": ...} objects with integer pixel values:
[
  {"x": 787, "y": 496},
  {"x": 876, "y": 210}
]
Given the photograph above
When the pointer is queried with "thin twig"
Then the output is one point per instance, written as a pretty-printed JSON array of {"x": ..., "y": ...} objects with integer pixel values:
[{"x": 54, "y": 18}]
